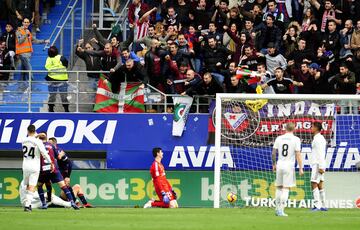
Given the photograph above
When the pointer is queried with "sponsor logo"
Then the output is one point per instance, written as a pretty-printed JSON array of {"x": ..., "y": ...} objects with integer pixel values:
[
  {"x": 73, "y": 131},
  {"x": 235, "y": 119},
  {"x": 299, "y": 108},
  {"x": 293, "y": 203},
  {"x": 342, "y": 157},
  {"x": 203, "y": 158},
  {"x": 179, "y": 111}
]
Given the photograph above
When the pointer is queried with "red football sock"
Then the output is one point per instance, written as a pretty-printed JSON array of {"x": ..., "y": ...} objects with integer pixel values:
[{"x": 160, "y": 204}]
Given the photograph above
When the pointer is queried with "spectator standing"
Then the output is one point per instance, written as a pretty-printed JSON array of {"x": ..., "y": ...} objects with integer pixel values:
[
  {"x": 303, "y": 76},
  {"x": 200, "y": 16},
  {"x": 268, "y": 32},
  {"x": 274, "y": 59},
  {"x": 215, "y": 58},
  {"x": 345, "y": 83},
  {"x": 207, "y": 86},
  {"x": 4, "y": 62},
  {"x": 321, "y": 83},
  {"x": 23, "y": 44},
  {"x": 9, "y": 37},
  {"x": 57, "y": 80},
  {"x": 110, "y": 57},
  {"x": 301, "y": 54},
  {"x": 279, "y": 17},
  {"x": 183, "y": 10},
  {"x": 25, "y": 9},
  {"x": 327, "y": 12},
  {"x": 345, "y": 39},
  {"x": 281, "y": 84},
  {"x": 331, "y": 39},
  {"x": 92, "y": 63}
]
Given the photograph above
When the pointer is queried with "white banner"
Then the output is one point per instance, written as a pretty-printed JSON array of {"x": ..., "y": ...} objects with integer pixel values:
[{"x": 181, "y": 110}]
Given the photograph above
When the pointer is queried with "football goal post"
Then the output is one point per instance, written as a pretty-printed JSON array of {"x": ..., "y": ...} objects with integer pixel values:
[{"x": 247, "y": 125}]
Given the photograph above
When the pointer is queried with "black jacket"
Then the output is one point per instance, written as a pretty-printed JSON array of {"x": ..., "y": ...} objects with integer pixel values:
[
  {"x": 205, "y": 89},
  {"x": 267, "y": 35},
  {"x": 213, "y": 56},
  {"x": 9, "y": 39},
  {"x": 92, "y": 63}
]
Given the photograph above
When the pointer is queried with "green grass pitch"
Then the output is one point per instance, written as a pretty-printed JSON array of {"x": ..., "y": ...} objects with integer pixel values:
[{"x": 183, "y": 218}]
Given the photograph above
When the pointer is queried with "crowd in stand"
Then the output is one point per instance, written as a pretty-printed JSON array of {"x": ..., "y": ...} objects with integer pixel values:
[{"x": 196, "y": 47}]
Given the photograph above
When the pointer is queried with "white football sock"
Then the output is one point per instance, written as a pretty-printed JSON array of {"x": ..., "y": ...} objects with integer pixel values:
[
  {"x": 278, "y": 193},
  {"x": 28, "y": 198},
  {"x": 284, "y": 198},
  {"x": 322, "y": 197},
  {"x": 58, "y": 201},
  {"x": 316, "y": 195}
]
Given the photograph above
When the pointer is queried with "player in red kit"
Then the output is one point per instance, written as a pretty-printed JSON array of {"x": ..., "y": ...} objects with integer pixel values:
[{"x": 167, "y": 196}]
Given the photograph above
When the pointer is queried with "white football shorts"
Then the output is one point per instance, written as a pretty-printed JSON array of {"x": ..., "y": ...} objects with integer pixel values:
[
  {"x": 315, "y": 175},
  {"x": 285, "y": 176}
]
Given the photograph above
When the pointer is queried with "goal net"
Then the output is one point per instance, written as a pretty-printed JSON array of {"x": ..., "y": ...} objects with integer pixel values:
[{"x": 246, "y": 128}]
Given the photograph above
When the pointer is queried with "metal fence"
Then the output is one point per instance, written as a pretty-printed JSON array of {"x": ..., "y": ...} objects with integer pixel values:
[
  {"x": 72, "y": 25},
  {"x": 32, "y": 95}
]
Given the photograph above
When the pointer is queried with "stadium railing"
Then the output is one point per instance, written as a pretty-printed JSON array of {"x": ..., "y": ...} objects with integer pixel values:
[
  {"x": 72, "y": 25},
  {"x": 122, "y": 20},
  {"x": 31, "y": 95}
]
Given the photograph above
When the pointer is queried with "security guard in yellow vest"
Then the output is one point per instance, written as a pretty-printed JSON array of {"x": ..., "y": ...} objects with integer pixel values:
[{"x": 57, "y": 77}]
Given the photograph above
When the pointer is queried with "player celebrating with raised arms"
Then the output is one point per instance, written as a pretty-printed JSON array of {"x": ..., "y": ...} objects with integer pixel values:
[
  {"x": 318, "y": 165},
  {"x": 288, "y": 147},
  {"x": 167, "y": 196},
  {"x": 32, "y": 148}
]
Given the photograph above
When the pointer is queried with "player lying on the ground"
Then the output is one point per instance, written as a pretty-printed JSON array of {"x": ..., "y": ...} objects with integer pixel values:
[
  {"x": 167, "y": 196},
  {"x": 54, "y": 176},
  {"x": 65, "y": 167},
  {"x": 36, "y": 202}
]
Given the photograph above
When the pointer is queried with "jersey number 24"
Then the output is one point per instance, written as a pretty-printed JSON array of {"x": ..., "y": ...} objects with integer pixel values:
[{"x": 29, "y": 152}]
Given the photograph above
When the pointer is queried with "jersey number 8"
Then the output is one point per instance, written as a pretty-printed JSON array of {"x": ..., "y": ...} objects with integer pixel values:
[
  {"x": 29, "y": 152},
  {"x": 285, "y": 149}
]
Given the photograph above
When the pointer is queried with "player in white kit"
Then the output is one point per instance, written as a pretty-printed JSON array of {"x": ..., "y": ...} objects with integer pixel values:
[
  {"x": 287, "y": 147},
  {"x": 36, "y": 202},
  {"x": 32, "y": 148},
  {"x": 318, "y": 166}
]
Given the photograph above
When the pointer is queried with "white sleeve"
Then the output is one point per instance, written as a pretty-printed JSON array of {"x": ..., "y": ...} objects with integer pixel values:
[
  {"x": 322, "y": 153},
  {"x": 43, "y": 151}
]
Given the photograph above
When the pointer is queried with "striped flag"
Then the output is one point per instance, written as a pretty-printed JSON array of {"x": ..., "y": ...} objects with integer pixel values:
[
  {"x": 129, "y": 100},
  {"x": 251, "y": 77}
]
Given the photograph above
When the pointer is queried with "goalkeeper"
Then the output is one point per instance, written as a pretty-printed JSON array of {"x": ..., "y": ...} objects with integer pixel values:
[{"x": 167, "y": 196}]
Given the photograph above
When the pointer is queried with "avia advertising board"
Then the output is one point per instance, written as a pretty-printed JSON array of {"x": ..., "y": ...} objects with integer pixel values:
[
  {"x": 194, "y": 189},
  {"x": 128, "y": 139}
]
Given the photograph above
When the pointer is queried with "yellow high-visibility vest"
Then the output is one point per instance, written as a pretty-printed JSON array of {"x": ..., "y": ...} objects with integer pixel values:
[{"x": 54, "y": 64}]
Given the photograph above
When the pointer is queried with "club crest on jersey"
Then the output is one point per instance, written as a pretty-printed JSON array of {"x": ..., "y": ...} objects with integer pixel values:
[{"x": 235, "y": 119}]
